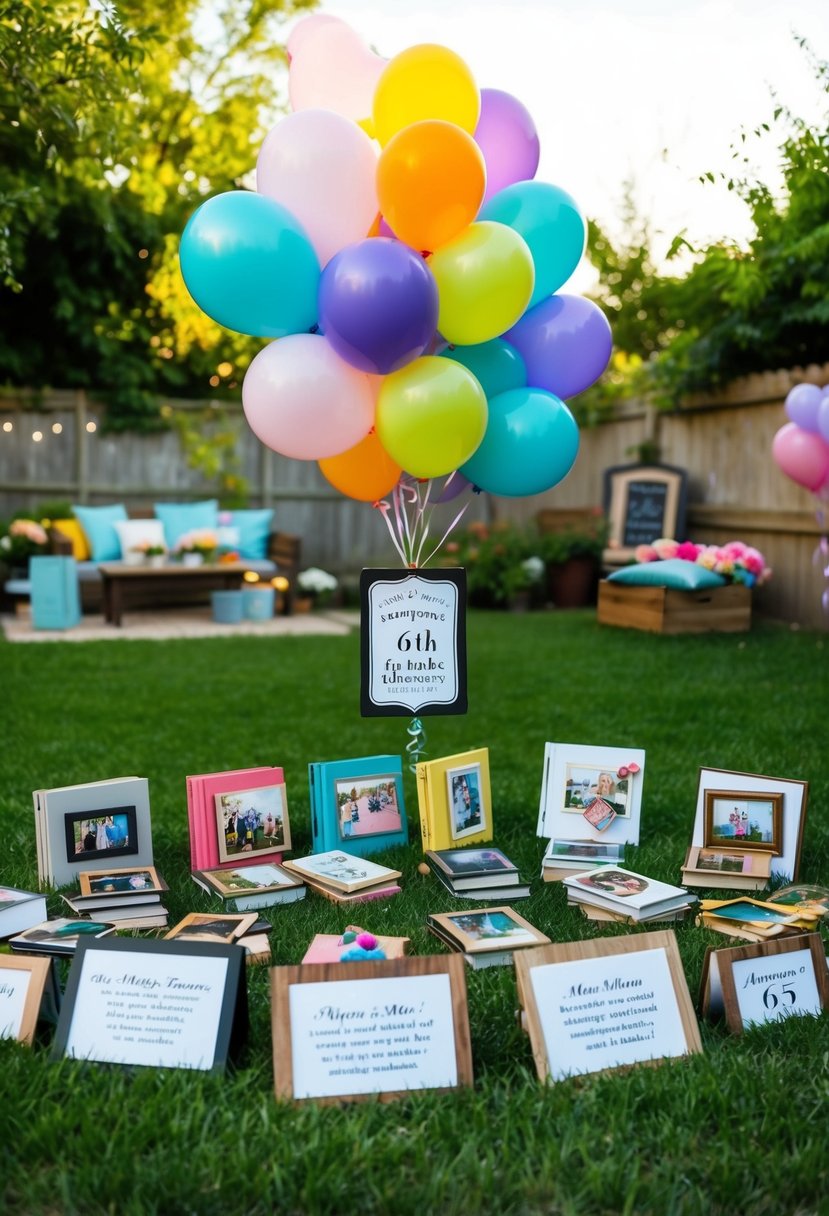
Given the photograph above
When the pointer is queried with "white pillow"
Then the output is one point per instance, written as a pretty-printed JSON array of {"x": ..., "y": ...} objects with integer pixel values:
[{"x": 132, "y": 532}]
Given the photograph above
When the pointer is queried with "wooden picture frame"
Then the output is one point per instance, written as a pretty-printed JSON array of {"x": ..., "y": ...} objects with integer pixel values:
[
  {"x": 467, "y": 930},
  {"x": 767, "y": 807},
  {"x": 23, "y": 982},
  {"x": 795, "y": 797},
  {"x": 93, "y": 882},
  {"x": 423, "y": 998},
  {"x": 212, "y": 926},
  {"x": 602, "y": 974},
  {"x": 776, "y": 970}
]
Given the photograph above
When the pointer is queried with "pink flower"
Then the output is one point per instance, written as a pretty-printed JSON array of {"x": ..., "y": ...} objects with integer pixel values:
[
  {"x": 645, "y": 553},
  {"x": 688, "y": 551},
  {"x": 708, "y": 557},
  {"x": 665, "y": 547}
]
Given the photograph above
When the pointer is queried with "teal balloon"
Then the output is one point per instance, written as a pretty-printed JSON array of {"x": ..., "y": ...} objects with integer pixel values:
[
  {"x": 496, "y": 365},
  {"x": 248, "y": 264},
  {"x": 551, "y": 223},
  {"x": 530, "y": 445}
]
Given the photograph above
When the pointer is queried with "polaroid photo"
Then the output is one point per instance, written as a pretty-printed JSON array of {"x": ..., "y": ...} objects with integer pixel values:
[
  {"x": 467, "y": 812},
  {"x": 252, "y": 822}
]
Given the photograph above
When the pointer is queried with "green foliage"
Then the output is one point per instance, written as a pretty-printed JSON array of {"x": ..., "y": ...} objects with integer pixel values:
[
  {"x": 120, "y": 120},
  {"x": 209, "y": 438},
  {"x": 558, "y": 546},
  {"x": 498, "y": 561},
  {"x": 737, "y": 1130}
]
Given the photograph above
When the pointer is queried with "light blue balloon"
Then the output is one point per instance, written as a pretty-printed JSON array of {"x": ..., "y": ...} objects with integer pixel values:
[
  {"x": 550, "y": 221},
  {"x": 248, "y": 264},
  {"x": 496, "y": 365},
  {"x": 530, "y": 445}
]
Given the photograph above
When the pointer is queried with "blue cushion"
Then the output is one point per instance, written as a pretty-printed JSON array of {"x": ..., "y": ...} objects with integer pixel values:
[
  {"x": 675, "y": 573},
  {"x": 98, "y": 525},
  {"x": 254, "y": 528},
  {"x": 181, "y": 517}
]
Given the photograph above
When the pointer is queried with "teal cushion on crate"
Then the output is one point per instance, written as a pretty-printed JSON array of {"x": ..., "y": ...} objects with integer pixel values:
[
  {"x": 181, "y": 517},
  {"x": 674, "y": 573},
  {"x": 253, "y": 529},
  {"x": 98, "y": 524}
]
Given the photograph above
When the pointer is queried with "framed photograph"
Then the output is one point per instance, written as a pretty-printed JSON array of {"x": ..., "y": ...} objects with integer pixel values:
[
  {"x": 744, "y": 820},
  {"x": 252, "y": 821},
  {"x": 467, "y": 812},
  {"x": 483, "y": 929},
  {"x": 108, "y": 833},
  {"x": 208, "y": 927},
  {"x": 368, "y": 806},
  {"x": 774, "y": 806},
  {"x": 722, "y": 862},
  {"x": 591, "y": 792},
  {"x": 126, "y": 881},
  {"x": 248, "y": 880}
]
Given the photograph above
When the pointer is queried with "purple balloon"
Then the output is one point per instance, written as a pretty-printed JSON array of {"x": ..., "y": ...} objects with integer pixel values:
[
  {"x": 378, "y": 305},
  {"x": 565, "y": 342},
  {"x": 456, "y": 483},
  {"x": 802, "y": 406},
  {"x": 823, "y": 417},
  {"x": 507, "y": 137}
]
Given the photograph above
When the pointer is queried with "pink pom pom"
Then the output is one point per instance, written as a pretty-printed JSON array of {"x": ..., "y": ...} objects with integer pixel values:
[{"x": 367, "y": 941}]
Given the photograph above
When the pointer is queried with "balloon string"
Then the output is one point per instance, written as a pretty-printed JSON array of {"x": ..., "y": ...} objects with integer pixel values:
[
  {"x": 416, "y": 747},
  {"x": 411, "y": 527}
]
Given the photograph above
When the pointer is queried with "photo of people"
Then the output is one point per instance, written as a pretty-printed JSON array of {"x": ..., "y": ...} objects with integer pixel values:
[
  {"x": 252, "y": 821},
  {"x": 100, "y": 834},
  {"x": 367, "y": 806},
  {"x": 585, "y": 783},
  {"x": 467, "y": 814},
  {"x": 615, "y": 882},
  {"x": 743, "y": 821},
  {"x": 129, "y": 881},
  {"x": 494, "y": 925}
]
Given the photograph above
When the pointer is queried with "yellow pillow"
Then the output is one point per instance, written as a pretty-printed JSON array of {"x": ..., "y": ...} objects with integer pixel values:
[{"x": 72, "y": 529}]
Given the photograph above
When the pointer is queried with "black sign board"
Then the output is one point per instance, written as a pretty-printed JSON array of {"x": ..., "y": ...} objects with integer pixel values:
[{"x": 645, "y": 510}]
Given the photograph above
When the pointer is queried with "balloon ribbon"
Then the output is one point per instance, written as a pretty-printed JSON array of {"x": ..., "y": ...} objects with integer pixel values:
[
  {"x": 416, "y": 747},
  {"x": 408, "y": 518}
]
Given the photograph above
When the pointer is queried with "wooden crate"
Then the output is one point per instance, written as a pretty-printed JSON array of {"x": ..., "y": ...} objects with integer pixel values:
[{"x": 661, "y": 610}]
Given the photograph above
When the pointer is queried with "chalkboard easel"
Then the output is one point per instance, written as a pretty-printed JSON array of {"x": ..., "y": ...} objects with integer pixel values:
[{"x": 643, "y": 503}]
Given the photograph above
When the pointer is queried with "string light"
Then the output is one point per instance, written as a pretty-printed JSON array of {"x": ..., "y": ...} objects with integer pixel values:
[
  {"x": 8, "y": 426},
  {"x": 57, "y": 428},
  {"x": 37, "y": 436},
  {"x": 92, "y": 427}
]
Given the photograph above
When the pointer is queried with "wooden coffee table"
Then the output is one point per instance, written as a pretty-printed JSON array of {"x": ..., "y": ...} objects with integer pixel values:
[{"x": 140, "y": 586}]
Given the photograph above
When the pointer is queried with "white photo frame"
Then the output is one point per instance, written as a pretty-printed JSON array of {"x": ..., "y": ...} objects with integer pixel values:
[
  {"x": 558, "y": 812},
  {"x": 795, "y": 797},
  {"x": 466, "y": 801}
]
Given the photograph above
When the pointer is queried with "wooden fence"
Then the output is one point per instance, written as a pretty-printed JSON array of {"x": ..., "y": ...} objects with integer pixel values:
[{"x": 724, "y": 442}]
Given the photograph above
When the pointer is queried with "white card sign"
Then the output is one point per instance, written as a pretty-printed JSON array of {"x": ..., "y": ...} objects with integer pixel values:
[
  {"x": 766, "y": 981},
  {"x": 23, "y": 992},
  {"x": 356, "y": 1029},
  {"x": 413, "y": 642},
  {"x": 606, "y": 1004},
  {"x": 165, "y": 1004}
]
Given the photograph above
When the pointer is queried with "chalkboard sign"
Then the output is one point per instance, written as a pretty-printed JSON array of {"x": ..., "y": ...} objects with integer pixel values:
[{"x": 645, "y": 512}]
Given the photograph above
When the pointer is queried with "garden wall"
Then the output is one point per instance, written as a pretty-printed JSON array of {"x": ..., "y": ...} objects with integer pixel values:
[{"x": 724, "y": 443}]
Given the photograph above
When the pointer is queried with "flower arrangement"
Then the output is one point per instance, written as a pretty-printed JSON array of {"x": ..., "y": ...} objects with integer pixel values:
[
  {"x": 735, "y": 561},
  {"x": 148, "y": 549},
  {"x": 23, "y": 539},
  {"x": 201, "y": 541},
  {"x": 316, "y": 583}
]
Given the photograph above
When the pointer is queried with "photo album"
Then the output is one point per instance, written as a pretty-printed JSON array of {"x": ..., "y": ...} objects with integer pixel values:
[
  {"x": 357, "y": 805},
  {"x": 454, "y": 800},
  {"x": 237, "y": 818},
  {"x": 477, "y": 873},
  {"x": 93, "y": 826}
]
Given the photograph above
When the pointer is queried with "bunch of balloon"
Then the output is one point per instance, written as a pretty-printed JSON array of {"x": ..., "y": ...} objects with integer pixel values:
[
  {"x": 407, "y": 267},
  {"x": 801, "y": 450}
]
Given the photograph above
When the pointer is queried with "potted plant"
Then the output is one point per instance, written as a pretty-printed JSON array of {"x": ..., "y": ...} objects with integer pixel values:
[
  {"x": 502, "y": 562},
  {"x": 196, "y": 547},
  {"x": 317, "y": 588},
  {"x": 150, "y": 553},
  {"x": 22, "y": 540},
  {"x": 572, "y": 557}
]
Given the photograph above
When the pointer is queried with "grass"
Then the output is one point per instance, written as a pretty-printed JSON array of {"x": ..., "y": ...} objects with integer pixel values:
[{"x": 741, "y": 1128}]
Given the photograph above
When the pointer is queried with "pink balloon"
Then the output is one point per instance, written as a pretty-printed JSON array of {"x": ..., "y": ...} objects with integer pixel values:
[
  {"x": 305, "y": 31},
  {"x": 302, "y": 400},
  {"x": 322, "y": 167},
  {"x": 333, "y": 69},
  {"x": 802, "y": 456},
  {"x": 507, "y": 136}
]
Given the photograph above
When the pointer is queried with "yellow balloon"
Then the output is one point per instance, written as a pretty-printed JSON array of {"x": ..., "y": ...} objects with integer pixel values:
[
  {"x": 425, "y": 81},
  {"x": 485, "y": 279},
  {"x": 431, "y": 416},
  {"x": 365, "y": 472},
  {"x": 430, "y": 183}
]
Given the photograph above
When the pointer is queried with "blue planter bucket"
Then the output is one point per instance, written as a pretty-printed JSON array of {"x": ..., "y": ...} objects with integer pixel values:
[
  {"x": 258, "y": 603},
  {"x": 228, "y": 608}
]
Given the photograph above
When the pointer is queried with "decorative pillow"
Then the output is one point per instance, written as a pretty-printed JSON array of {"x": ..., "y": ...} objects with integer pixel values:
[
  {"x": 675, "y": 573},
  {"x": 98, "y": 524},
  {"x": 132, "y": 532},
  {"x": 254, "y": 528},
  {"x": 73, "y": 530},
  {"x": 180, "y": 517}
]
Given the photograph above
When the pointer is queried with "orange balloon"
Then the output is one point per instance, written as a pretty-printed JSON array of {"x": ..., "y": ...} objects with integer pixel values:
[
  {"x": 365, "y": 472},
  {"x": 431, "y": 179}
]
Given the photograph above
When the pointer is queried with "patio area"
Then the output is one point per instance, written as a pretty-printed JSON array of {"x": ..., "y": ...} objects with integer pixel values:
[{"x": 176, "y": 623}]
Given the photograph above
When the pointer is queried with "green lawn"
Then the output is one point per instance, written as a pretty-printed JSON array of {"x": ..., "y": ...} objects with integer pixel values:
[{"x": 739, "y": 1129}]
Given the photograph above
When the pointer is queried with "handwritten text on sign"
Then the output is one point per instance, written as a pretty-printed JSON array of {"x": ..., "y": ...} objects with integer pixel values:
[
  {"x": 605, "y": 1012},
  {"x": 148, "y": 1009},
  {"x": 413, "y": 625},
  {"x": 14, "y": 985},
  {"x": 372, "y": 1036},
  {"x": 777, "y": 986}
]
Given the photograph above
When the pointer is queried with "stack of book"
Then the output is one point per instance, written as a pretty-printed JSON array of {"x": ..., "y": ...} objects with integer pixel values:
[
  {"x": 483, "y": 873},
  {"x": 127, "y": 898},
  {"x": 58, "y": 937},
  {"x": 250, "y": 887},
  {"x": 753, "y": 920},
  {"x": 611, "y": 893},
  {"x": 486, "y": 937},
  {"x": 564, "y": 858},
  {"x": 20, "y": 910},
  {"x": 345, "y": 879}
]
